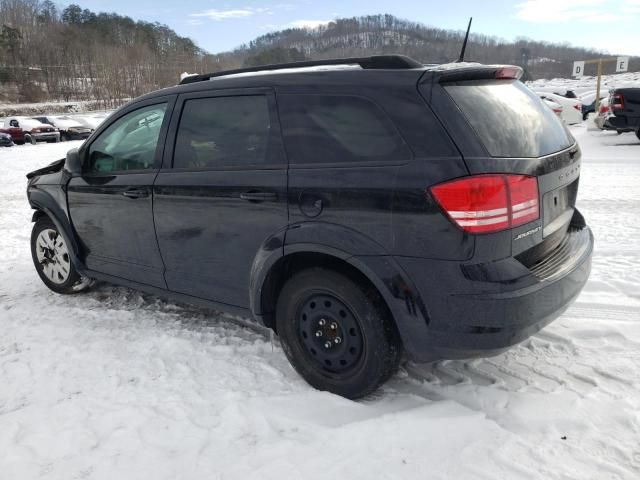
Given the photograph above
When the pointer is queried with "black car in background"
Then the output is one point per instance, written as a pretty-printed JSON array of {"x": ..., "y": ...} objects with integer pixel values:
[
  {"x": 624, "y": 104},
  {"x": 6, "y": 140},
  {"x": 361, "y": 212}
]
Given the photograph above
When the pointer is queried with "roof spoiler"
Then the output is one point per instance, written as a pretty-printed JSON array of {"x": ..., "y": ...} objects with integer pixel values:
[
  {"x": 459, "y": 72},
  {"x": 382, "y": 62}
]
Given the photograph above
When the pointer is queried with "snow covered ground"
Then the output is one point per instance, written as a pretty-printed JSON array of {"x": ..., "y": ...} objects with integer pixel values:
[
  {"x": 586, "y": 83},
  {"x": 114, "y": 384}
]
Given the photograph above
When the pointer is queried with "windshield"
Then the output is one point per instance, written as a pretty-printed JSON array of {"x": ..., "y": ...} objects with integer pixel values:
[{"x": 509, "y": 119}]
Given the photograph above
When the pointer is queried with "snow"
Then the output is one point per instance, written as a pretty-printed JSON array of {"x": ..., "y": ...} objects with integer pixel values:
[
  {"x": 586, "y": 83},
  {"x": 115, "y": 384}
]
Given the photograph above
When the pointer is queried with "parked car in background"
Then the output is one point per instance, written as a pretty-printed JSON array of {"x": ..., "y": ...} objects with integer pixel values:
[
  {"x": 571, "y": 107},
  {"x": 70, "y": 129},
  {"x": 90, "y": 121},
  {"x": 11, "y": 127},
  {"x": 556, "y": 107},
  {"x": 588, "y": 100},
  {"x": 35, "y": 131},
  {"x": 6, "y": 140},
  {"x": 602, "y": 116},
  {"x": 624, "y": 106},
  {"x": 328, "y": 213}
]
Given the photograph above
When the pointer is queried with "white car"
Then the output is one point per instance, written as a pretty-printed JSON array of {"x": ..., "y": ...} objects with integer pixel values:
[
  {"x": 69, "y": 128},
  {"x": 603, "y": 115},
  {"x": 90, "y": 121},
  {"x": 556, "y": 107},
  {"x": 571, "y": 107}
]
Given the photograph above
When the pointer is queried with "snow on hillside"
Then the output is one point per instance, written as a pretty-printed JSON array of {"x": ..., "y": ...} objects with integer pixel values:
[{"x": 115, "y": 384}]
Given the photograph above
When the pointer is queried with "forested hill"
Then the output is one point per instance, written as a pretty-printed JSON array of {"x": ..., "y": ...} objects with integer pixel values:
[
  {"x": 378, "y": 34},
  {"x": 75, "y": 54},
  {"x": 49, "y": 54}
]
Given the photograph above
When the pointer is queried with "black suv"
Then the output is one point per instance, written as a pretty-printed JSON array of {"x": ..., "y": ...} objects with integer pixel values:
[{"x": 360, "y": 211}]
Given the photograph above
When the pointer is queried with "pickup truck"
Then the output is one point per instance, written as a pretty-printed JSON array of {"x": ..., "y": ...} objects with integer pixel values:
[
  {"x": 16, "y": 133},
  {"x": 625, "y": 110}
]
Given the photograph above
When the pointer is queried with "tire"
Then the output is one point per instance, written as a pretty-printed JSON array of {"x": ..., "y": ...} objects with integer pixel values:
[
  {"x": 638, "y": 134},
  {"x": 51, "y": 258},
  {"x": 338, "y": 338}
]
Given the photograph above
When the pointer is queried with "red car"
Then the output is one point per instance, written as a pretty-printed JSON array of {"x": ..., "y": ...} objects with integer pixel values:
[{"x": 17, "y": 134}]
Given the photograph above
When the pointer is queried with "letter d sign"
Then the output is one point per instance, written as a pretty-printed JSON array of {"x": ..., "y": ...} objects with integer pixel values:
[{"x": 578, "y": 69}]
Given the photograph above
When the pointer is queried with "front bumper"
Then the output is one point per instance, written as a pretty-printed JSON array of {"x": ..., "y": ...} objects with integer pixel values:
[
  {"x": 77, "y": 135},
  {"x": 475, "y": 318},
  {"x": 46, "y": 136}
]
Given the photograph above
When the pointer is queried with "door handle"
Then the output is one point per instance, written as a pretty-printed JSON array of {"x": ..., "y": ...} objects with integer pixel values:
[
  {"x": 135, "y": 193},
  {"x": 258, "y": 196}
]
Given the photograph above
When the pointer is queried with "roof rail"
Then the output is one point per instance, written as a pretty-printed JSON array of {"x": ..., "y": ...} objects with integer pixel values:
[{"x": 390, "y": 62}]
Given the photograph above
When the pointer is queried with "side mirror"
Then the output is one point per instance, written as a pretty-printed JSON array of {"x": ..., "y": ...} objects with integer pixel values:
[{"x": 73, "y": 164}]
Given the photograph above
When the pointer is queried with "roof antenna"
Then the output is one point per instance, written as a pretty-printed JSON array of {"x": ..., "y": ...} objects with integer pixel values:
[{"x": 464, "y": 44}]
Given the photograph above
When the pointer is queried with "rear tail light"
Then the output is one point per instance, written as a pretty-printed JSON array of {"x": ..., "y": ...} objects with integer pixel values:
[
  {"x": 604, "y": 109},
  {"x": 617, "y": 101},
  {"x": 578, "y": 106},
  {"x": 489, "y": 203},
  {"x": 505, "y": 73}
]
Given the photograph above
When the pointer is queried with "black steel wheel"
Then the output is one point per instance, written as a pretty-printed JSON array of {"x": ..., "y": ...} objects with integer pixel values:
[
  {"x": 330, "y": 333},
  {"x": 336, "y": 334}
]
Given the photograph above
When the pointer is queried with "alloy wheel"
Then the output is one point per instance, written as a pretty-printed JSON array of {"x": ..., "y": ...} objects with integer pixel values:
[{"x": 53, "y": 256}]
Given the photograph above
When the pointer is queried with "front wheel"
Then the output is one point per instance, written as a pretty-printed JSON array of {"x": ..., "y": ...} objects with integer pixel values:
[
  {"x": 51, "y": 258},
  {"x": 339, "y": 337}
]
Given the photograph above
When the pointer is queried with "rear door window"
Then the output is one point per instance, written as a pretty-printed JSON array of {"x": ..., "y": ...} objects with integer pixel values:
[
  {"x": 329, "y": 129},
  {"x": 223, "y": 132},
  {"x": 509, "y": 119}
]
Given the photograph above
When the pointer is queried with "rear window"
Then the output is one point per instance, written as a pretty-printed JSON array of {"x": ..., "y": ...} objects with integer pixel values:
[
  {"x": 510, "y": 119},
  {"x": 338, "y": 129}
]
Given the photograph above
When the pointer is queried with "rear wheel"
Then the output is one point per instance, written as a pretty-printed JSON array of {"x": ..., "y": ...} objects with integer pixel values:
[
  {"x": 338, "y": 337},
  {"x": 51, "y": 258}
]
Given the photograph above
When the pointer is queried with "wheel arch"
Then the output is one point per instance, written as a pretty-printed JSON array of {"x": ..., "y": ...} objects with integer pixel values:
[
  {"x": 380, "y": 273},
  {"x": 302, "y": 258},
  {"x": 45, "y": 206}
]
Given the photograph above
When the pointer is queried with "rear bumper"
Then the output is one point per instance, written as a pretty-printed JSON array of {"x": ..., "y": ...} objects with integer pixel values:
[
  {"x": 625, "y": 124},
  {"x": 479, "y": 318}
]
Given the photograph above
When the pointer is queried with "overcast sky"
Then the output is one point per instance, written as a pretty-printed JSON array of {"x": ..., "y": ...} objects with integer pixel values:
[{"x": 611, "y": 25}]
